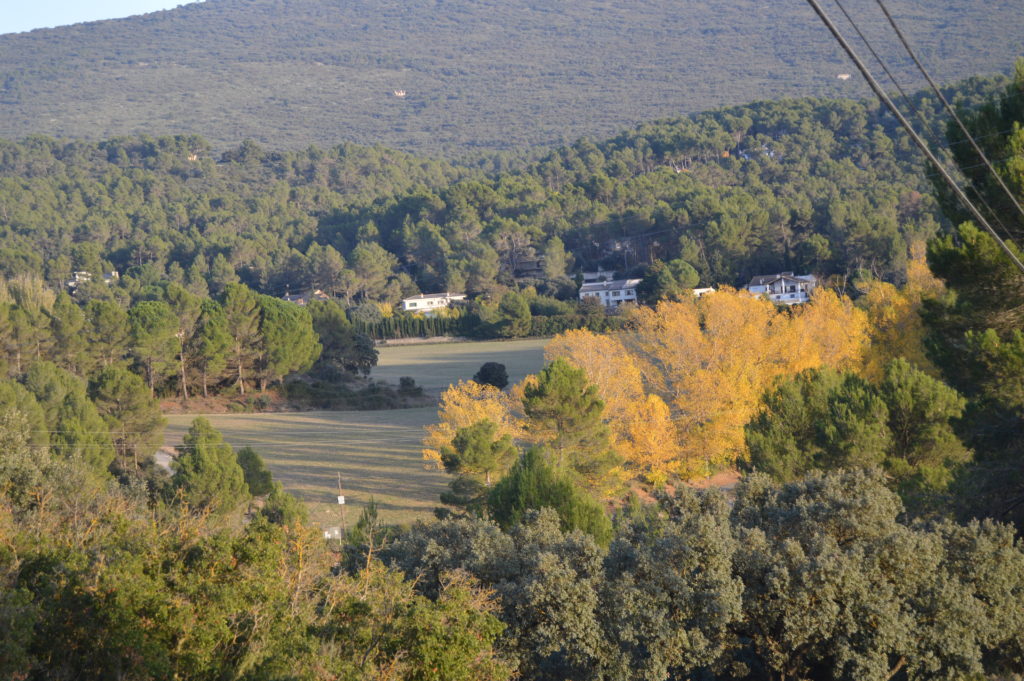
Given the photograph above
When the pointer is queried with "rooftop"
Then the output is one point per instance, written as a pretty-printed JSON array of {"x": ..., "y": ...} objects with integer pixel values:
[{"x": 614, "y": 285}]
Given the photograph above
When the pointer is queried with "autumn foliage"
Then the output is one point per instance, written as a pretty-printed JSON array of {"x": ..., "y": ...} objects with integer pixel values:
[{"x": 685, "y": 377}]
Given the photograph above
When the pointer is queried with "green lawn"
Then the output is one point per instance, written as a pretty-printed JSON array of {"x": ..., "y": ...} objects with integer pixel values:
[
  {"x": 436, "y": 366},
  {"x": 376, "y": 452}
]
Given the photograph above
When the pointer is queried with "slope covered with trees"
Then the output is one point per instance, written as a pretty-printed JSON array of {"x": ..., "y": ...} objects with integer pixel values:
[
  {"x": 813, "y": 185},
  {"x": 497, "y": 74}
]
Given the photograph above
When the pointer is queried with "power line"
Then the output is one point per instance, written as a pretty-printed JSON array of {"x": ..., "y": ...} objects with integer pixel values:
[
  {"x": 937, "y": 139},
  {"x": 880, "y": 93},
  {"x": 948, "y": 107}
]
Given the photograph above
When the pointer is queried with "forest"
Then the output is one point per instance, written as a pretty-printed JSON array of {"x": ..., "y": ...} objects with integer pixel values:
[
  {"x": 476, "y": 75},
  {"x": 874, "y": 534}
]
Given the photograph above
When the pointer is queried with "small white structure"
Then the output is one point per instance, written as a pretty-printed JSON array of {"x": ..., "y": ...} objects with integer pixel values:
[
  {"x": 611, "y": 293},
  {"x": 427, "y": 302},
  {"x": 698, "y": 292},
  {"x": 785, "y": 288},
  {"x": 83, "y": 277}
]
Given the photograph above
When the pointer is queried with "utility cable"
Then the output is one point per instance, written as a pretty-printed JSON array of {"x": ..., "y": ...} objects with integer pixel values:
[
  {"x": 948, "y": 107},
  {"x": 920, "y": 114},
  {"x": 880, "y": 93}
]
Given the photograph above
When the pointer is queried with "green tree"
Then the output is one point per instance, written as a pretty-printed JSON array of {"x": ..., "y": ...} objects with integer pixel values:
[
  {"x": 154, "y": 343},
  {"x": 532, "y": 484},
  {"x": 68, "y": 326},
  {"x": 475, "y": 456},
  {"x": 667, "y": 281},
  {"x": 514, "y": 317},
  {"x": 556, "y": 261},
  {"x": 206, "y": 470},
  {"x": 210, "y": 344},
  {"x": 131, "y": 414},
  {"x": 242, "y": 318},
  {"x": 187, "y": 309},
  {"x": 78, "y": 430},
  {"x": 825, "y": 420},
  {"x": 565, "y": 416},
  {"x": 107, "y": 332},
  {"x": 257, "y": 478},
  {"x": 289, "y": 343},
  {"x": 492, "y": 373}
]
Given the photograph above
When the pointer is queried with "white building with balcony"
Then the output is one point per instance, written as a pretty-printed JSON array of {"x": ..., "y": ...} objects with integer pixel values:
[
  {"x": 785, "y": 288},
  {"x": 611, "y": 293}
]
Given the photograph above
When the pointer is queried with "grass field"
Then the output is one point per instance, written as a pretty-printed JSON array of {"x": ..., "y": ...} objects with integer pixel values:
[
  {"x": 436, "y": 366},
  {"x": 376, "y": 452}
]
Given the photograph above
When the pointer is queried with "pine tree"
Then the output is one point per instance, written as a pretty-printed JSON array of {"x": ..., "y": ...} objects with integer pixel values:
[
  {"x": 206, "y": 471},
  {"x": 475, "y": 456},
  {"x": 565, "y": 415},
  {"x": 242, "y": 317},
  {"x": 532, "y": 484}
]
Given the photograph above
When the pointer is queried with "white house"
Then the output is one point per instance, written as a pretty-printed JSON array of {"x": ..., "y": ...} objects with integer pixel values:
[
  {"x": 785, "y": 288},
  {"x": 426, "y": 302},
  {"x": 611, "y": 293}
]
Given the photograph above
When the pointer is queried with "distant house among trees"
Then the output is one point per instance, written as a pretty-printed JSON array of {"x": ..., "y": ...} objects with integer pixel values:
[
  {"x": 427, "y": 302},
  {"x": 611, "y": 293},
  {"x": 84, "y": 277},
  {"x": 785, "y": 288},
  {"x": 304, "y": 298}
]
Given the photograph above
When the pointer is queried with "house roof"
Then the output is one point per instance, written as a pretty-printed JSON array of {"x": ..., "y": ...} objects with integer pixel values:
[
  {"x": 424, "y": 296},
  {"x": 614, "y": 285},
  {"x": 765, "y": 279}
]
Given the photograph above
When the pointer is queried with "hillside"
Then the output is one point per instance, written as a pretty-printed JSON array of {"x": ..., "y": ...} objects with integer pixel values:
[{"x": 490, "y": 74}]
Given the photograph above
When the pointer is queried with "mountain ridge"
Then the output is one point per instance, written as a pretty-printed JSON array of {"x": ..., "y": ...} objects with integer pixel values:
[{"x": 478, "y": 74}]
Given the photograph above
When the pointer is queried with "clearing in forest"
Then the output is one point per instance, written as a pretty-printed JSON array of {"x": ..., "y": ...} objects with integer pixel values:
[{"x": 376, "y": 452}]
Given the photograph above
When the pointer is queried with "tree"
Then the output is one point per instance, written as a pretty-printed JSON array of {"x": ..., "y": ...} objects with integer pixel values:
[
  {"x": 823, "y": 419},
  {"x": 289, "y": 343},
  {"x": 107, "y": 332},
  {"x": 206, "y": 470},
  {"x": 77, "y": 429},
  {"x": 68, "y": 326},
  {"x": 492, "y": 373},
  {"x": 342, "y": 347},
  {"x": 187, "y": 308},
  {"x": 533, "y": 484},
  {"x": 556, "y": 261},
  {"x": 131, "y": 414},
  {"x": 258, "y": 479},
  {"x": 242, "y": 317},
  {"x": 154, "y": 341},
  {"x": 372, "y": 266},
  {"x": 474, "y": 457},
  {"x": 514, "y": 317},
  {"x": 210, "y": 344},
  {"x": 566, "y": 417},
  {"x": 667, "y": 281},
  {"x": 463, "y": 405}
]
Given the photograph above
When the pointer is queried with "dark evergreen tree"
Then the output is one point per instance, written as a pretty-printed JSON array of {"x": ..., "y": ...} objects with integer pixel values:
[
  {"x": 492, "y": 373},
  {"x": 532, "y": 484}
]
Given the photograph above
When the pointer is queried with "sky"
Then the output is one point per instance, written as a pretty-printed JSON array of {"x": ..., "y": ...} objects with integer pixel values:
[{"x": 25, "y": 15}]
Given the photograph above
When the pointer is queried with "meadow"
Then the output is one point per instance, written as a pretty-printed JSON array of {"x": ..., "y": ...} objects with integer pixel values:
[
  {"x": 377, "y": 453},
  {"x": 435, "y": 366}
]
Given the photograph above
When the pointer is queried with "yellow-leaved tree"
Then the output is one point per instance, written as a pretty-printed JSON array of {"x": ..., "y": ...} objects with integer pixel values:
[
  {"x": 684, "y": 378},
  {"x": 466, "y": 404},
  {"x": 894, "y": 314}
]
